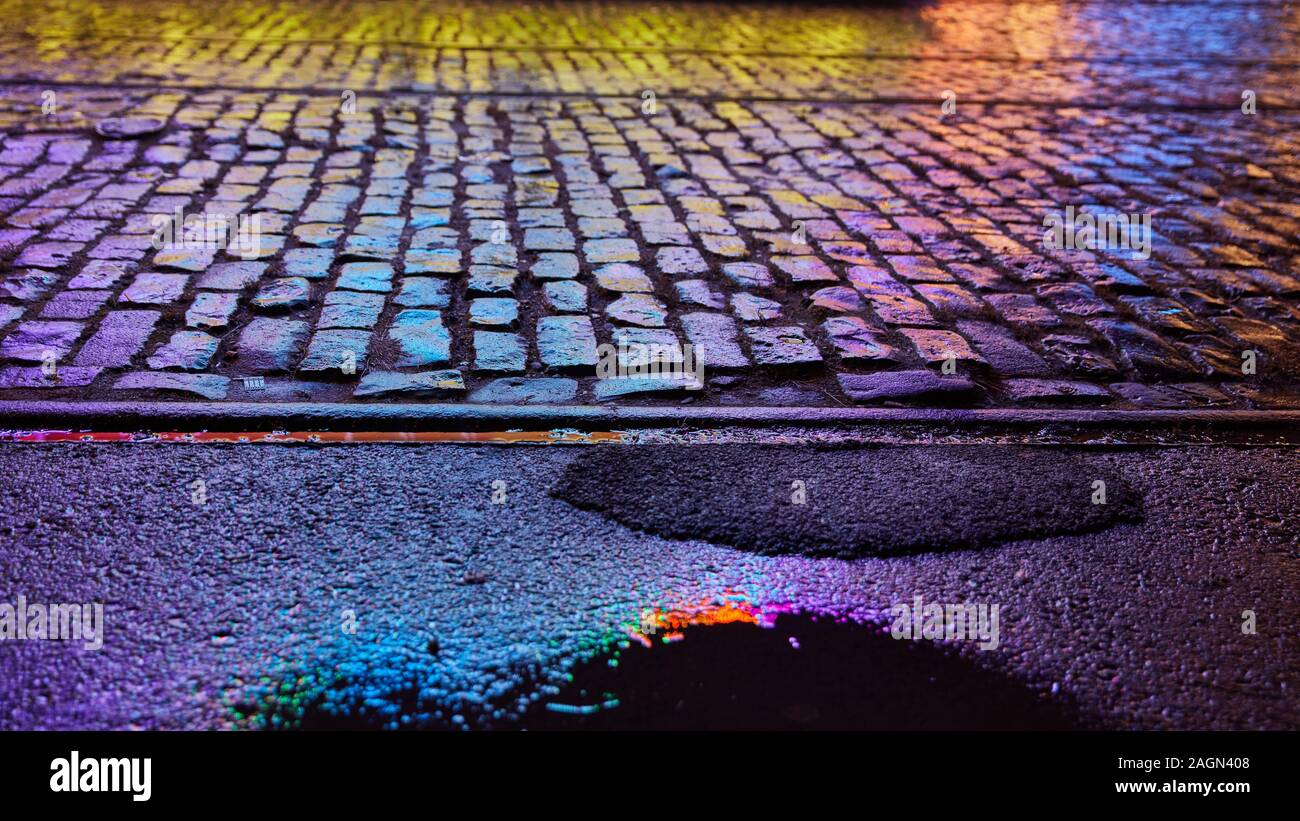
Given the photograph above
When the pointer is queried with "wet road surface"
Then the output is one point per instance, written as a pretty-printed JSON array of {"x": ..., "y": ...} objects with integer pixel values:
[{"x": 234, "y": 612}]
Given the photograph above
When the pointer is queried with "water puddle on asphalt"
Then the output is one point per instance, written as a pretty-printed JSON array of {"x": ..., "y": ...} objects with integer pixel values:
[
  {"x": 730, "y": 670},
  {"x": 849, "y": 502},
  {"x": 725, "y": 664}
]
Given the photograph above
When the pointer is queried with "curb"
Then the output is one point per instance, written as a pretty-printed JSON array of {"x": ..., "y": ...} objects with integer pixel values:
[{"x": 250, "y": 416}]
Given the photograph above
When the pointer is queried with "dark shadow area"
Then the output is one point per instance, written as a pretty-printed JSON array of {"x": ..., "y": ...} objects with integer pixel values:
[
  {"x": 849, "y": 501},
  {"x": 800, "y": 674},
  {"x": 841, "y": 676}
]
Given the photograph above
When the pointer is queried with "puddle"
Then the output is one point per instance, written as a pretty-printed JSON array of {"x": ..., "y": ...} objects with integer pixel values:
[
  {"x": 848, "y": 501},
  {"x": 799, "y": 673},
  {"x": 725, "y": 667}
]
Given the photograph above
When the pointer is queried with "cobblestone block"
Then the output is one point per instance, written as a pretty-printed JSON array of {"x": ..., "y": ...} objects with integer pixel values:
[
  {"x": 566, "y": 342},
  {"x": 121, "y": 335},
  {"x": 269, "y": 345}
]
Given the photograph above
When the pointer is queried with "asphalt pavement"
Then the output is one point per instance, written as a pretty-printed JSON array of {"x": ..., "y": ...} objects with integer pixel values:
[{"x": 450, "y": 586}]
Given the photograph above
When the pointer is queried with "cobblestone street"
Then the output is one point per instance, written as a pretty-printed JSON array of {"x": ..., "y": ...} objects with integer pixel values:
[
  {"x": 460, "y": 202},
  {"x": 976, "y": 307}
]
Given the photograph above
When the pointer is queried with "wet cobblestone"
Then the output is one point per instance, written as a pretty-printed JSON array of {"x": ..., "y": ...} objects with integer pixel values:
[
  {"x": 1102, "y": 50},
  {"x": 459, "y": 204}
]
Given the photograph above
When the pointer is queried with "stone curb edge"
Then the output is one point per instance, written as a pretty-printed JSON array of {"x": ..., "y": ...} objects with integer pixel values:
[{"x": 254, "y": 416}]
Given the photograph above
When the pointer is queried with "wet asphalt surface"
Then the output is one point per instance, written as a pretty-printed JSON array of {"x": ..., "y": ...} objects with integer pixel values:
[
  {"x": 481, "y": 599},
  {"x": 865, "y": 501}
]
